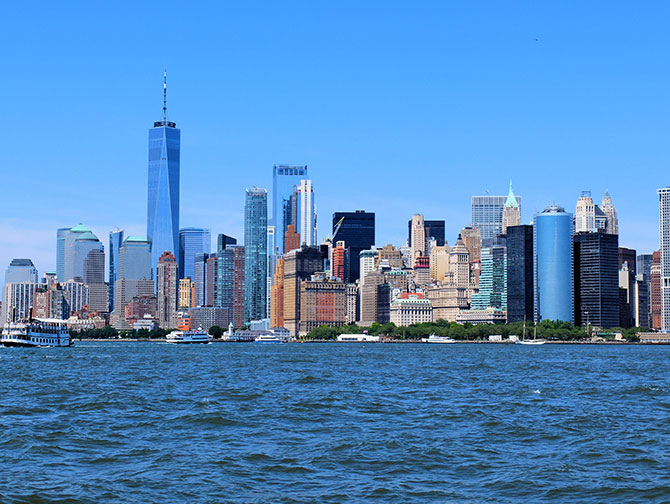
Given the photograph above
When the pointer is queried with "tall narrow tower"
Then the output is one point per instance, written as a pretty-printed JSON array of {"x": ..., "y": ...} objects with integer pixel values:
[
  {"x": 163, "y": 186},
  {"x": 511, "y": 215},
  {"x": 664, "y": 231}
]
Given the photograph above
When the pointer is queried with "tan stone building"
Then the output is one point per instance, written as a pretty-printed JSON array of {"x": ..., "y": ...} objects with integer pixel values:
[
  {"x": 418, "y": 237},
  {"x": 185, "y": 293},
  {"x": 439, "y": 263},
  {"x": 167, "y": 274},
  {"x": 277, "y": 296},
  {"x": 299, "y": 264},
  {"x": 411, "y": 309},
  {"x": 447, "y": 301},
  {"x": 322, "y": 301}
]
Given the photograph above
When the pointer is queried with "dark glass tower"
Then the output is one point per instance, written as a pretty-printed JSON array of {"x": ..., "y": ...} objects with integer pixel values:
[
  {"x": 192, "y": 241},
  {"x": 163, "y": 186},
  {"x": 357, "y": 230},
  {"x": 255, "y": 254},
  {"x": 596, "y": 261},
  {"x": 519, "y": 273}
]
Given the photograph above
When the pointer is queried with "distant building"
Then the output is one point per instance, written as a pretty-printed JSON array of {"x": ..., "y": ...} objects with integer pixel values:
[
  {"x": 367, "y": 260},
  {"x": 644, "y": 263},
  {"x": 192, "y": 241},
  {"x": 589, "y": 218},
  {"x": 351, "y": 311},
  {"x": 411, "y": 309},
  {"x": 167, "y": 277},
  {"x": 322, "y": 301},
  {"x": 459, "y": 265},
  {"x": 493, "y": 280},
  {"x": 487, "y": 215},
  {"x": 306, "y": 213},
  {"x": 94, "y": 278},
  {"x": 655, "y": 292},
  {"x": 291, "y": 238},
  {"x": 357, "y": 230},
  {"x": 115, "y": 242},
  {"x": 277, "y": 296},
  {"x": 21, "y": 270},
  {"x": 472, "y": 239},
  {"x": 230, "y": 281},
  {"x": 629, "y": 256},
  {"x": 520, "y": 296},
  {"x": 205, "y": 317},
  {"x": 596, "y": 279},
  {"x": 79, "y": 241},
  {"x": 163, "y": 187},
  {"x": 553, "y": 256},
  {"x": 135, "y": 277},
  {"x": 340, "y": 264},
  {"x": 422, "y": 271},
  {"x": 255, "y": 254},
  {"x": 284, "y": 179},
  {"x": 76, "y": 294},
  {"x": 511, "y": 215},
  {"x": 141, "y": 308},
  {"x": 17, "y": 300},
  {"x": 439, "y": 263},
  {"x": 610, "y": 212},
  {"x": 417, "y": 240},
  {"x": 447, "y": 301},
  {"x": 627, "y": 297},
  {"x": 478, "y": 317},
  {"x": 61, "y": 236},
  {"x": 186, "y": 293},
  {"x": 299, "y": 265},
  {"x": 200, "y": 279},
  {"x": 375, "y": 299}
]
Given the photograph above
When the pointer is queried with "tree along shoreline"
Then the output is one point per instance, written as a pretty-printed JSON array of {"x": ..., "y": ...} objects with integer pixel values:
[{"x": 547, "y": 329}]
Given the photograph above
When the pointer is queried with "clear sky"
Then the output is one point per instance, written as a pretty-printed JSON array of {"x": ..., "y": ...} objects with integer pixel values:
[{"x": 396, "y": 107}]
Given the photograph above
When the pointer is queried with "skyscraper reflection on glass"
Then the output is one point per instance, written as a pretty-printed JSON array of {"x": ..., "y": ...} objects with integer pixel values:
[{"x": 284, "y": 179}]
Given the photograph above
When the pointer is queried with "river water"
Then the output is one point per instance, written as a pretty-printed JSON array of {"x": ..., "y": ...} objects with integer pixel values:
[{"x": 150, "y": 422}]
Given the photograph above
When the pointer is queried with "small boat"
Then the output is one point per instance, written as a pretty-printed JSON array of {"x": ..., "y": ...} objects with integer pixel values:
[
  {"x": 36, "y": 333},
  {"x": 269, "y": 338},
  {"x": 187, "y": 337},
  {"x": 358, "y": 338},
  {"x": 534, "y": 341},
  {"x": 438, "y": 339}
]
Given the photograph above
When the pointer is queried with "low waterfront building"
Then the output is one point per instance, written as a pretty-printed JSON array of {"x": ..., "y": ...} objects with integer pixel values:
[
  {"x": 476, "y": 317},
  {"x": 205, "y": 317},
  {"x": 411, "y": 308},
  {"x": 654, "y": 337}
]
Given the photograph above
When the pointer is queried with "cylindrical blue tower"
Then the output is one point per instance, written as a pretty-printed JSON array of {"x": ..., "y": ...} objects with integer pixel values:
[{"x": 553, "y": 253}]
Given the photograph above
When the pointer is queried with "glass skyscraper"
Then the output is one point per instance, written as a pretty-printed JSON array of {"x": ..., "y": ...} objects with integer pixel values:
[
  {"x": 61, "y": 236},
  {"x": 163, "y": 187},
  {"x": 357, "y": 230},
  {"x": 284, "y": 180},
  {"x": 115, "y": 242},
  {"x": 553, "y": 271},
  {"x": 255, "y": 254},
  {"x": 192, "y": 241},
  {"x": 520, "y": 273},
  {"x": 487, "y": 216}
]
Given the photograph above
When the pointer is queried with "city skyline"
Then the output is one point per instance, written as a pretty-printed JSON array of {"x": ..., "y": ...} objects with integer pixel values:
[{"x": 241, "y": 150}]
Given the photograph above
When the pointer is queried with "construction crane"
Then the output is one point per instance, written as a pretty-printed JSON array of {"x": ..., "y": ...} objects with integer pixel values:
[{"x": 337, "y": 230}]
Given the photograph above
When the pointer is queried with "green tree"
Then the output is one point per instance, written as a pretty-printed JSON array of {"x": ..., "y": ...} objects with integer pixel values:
[{"x": 216, "y": 331}]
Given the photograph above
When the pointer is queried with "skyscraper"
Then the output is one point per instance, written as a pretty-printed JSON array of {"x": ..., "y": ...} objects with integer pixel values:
[
  {"x": 115, "y": 242},
  {"x": 520, "y": 273},
  {"x": 255, "y": 254},
  {"x": 357, "y": 230},
  {"x": 418, "y": 237},
  {"x": 135, "y": 278},
  {"x": 655, "y": 297},
  {"x": 588, "y": 216},
  {"x": 299, "y": 264},
  {"x": 596, "y": 279},
  {"x": 192, "y": 241},
  {"x": 553, "y": 282},
  {"x": 291, "y": 238},
  {"x": 306, "y": 213},
  {"x": 511, "y": 211},
  {"x": 166, "y": 285},
  {"x": 644, "y": 263},
  {"x": 493, "y": 280},
  {"x": 77, "y": 243},
  {"x": 609, "y": 210},
  {"x": 94, "y": 279},
  {"x": 487, "y": 215},
  {"x": 284, "y": 179},
  {"x": 21, "y": 270},
  {"x": 61, "y": 236},
  {"x": 163, "y": 186},
  {"x": 230, "y": 280}
]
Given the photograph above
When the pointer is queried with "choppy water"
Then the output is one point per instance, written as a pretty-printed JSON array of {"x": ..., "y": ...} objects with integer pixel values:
[{"x": 149, "y": 422}]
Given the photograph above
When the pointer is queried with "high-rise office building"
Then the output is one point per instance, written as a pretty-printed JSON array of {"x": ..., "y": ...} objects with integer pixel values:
[
  {"x": 21, "y": 270},
  {"x": 94, "y": 279},
  {"x": 299, "y": 264},
  {"x": 277, "y": 296},
  {"x": 306, "y": 213},
  {"x": 167, "y": 273},
  {"x": 589, "y": 218},
  {"x": 487, "y": 215},
  {"x": 192, "y": 241},
  {"x": 135, "y": 277},
  {"x": 186, "y": 294},
  {"x": 610, "y": 212},
  {"x": 433, "y": 229},
  {"x": 200, "y": 279},
  {"x": 284, "y": 180},
  {"x": 115, "y": 242},
  {"x": 61, "y": 236},
  {"x": 511, "y": 215},
  {"x": 655, "y": 294},
  {"x": 629, "y": 256},
  {"x": 459, "y": 265},
  {"x": 596, "y": 279},
  {"x": 357, "y": 230},
  {"x": 644, "y": 263},
  {"x": 472, "y": 238},
  {"x": 17, "y": 301},
  {"x": 291, "y": 238},
  {"x": 520, "y": 297},
  {"x": 493, "y": 279},
  {"x": 627, "y": 297},
  {"x": 255, "y": 254},
  {"x": 230, "y": 280},
  {"x": 418, "y": 237},
  {"x": 163, "y": 186},
  {"x": 77, "y": 243},
  {"x": 322, "y": 301},
  {"x": 553, "y": 269}
]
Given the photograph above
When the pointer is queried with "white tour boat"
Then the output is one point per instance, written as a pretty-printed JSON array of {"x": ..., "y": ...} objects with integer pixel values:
[
  {"x": 269, "y": 338},
  {"x": 438, "y": 339},
  {"x": 185, "y": 337},
  {"x": 358, "y": 338},
  {"x": 36, "y": 333}
]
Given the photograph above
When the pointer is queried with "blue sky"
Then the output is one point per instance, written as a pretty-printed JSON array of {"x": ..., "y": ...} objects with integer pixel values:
[{"x": 396, "y": 107}]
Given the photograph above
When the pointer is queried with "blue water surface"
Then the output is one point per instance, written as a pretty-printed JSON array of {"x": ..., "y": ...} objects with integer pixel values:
[{"x": 150, "y": 422}]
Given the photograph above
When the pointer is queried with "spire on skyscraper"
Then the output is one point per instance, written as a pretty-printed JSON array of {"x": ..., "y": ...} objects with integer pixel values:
[
  {"x": 511, "y": 199},
  {"x": 164, "y": 95}
]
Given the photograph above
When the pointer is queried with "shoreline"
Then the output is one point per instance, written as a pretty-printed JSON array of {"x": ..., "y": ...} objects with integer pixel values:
[{"x": 418, "y": 341}]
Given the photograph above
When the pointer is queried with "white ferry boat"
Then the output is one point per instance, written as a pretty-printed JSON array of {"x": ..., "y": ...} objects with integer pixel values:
[
  {"x": 185, "y": 337},
  {"x": 438, "y": 339},
  {"x": 358, "y": 338},
  {"x": 36, "y": 333},
  {"x": 269, "y": 338}
]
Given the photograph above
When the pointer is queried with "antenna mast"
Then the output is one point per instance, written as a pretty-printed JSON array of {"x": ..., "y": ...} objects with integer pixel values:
[{"x": 165, "y": 96}]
